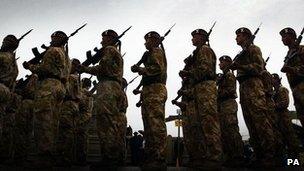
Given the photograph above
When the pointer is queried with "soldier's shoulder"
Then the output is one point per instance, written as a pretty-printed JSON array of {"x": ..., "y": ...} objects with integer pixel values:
[
  {"x": 254, "y": 48},
  {"x": 283, "y": 89},
  {"x": 112, "y": 50},
  {"x": 301, "y": 49},
  {"x": 55, "y": 50},
  {"x": 230, "y": 74}
]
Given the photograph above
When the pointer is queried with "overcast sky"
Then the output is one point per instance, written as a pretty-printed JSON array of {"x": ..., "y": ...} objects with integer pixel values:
[{"x": 45, "y": 17}]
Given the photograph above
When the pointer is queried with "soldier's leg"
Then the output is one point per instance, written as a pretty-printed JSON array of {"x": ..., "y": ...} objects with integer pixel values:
[
  {"x": 154, "y": 97},
  {"x": 82, "y": 142},
  {"x": 23, "y": 129},
  {"x": 206, "y": 101}
]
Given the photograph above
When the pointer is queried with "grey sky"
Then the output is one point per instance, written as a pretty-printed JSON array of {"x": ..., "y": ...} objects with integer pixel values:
[{"x": 45, "y": 17}]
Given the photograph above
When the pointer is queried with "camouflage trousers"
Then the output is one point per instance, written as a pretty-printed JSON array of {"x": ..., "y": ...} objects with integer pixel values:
[
  {"x": 206, "y": 108},
  {"x": 154, "y": 97},
  {"x": 253, "y": 102},
  {"x": 48, "y": 99},
  {"x": 66, "y": 133},
  {"x": 193, "y": 137},
  {"x": 298, "y": 96},
  {"x": 289, "y": 137},
  {"x": 23, "y": 129},
  {"x": 111, "y": 123},
  {"x": 82, "y": 127},
  {"x": 6, "y": 123},
  {"x": 233, "y": 146},
  {"x": 274, "y": 119}
]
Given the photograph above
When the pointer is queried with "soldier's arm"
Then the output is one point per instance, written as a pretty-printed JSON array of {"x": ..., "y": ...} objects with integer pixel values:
[
  {"x": 299, "y": 68},
  {"x": 156, "y": 64},
  {"x": 205, "y": 62},
  {"x": 85, "y": 109},
  {"x": 258, "y": 63},
  {"x": 52, "y": 64},
  {"x": 283, "y": 104},
  {"x": 229, "y": 87}
]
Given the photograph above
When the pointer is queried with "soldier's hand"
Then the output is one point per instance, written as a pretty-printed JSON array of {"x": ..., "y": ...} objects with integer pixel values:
[
  {"x": 288, "y": 69},
  {"x": 184, "y": 73},
  {"x": 80, "y": 68},
  {"x": 26, "y": 65},
  {"x": 174, "y": 102},
  {"x": 134, "y": 68},
  {"x": 141, "y": 71},
  {"x": 136, "y": 91}
]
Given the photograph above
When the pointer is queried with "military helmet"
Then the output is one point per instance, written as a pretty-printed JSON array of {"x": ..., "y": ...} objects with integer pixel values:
[
  {"x": 110, "y": 32},
  {"x": 199, "y": 32},
  {"x": 59, "y": 36},
  {"x": 225, "y": 58},
  {"x": 288, "y": 30},
  {"x": 152, "y": 34},
  {"x": 243, "y": 30},
  {"x": 11, "y": 41}
]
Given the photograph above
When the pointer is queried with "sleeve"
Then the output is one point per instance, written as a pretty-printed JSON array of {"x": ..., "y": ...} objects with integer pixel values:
[
  {"x": 205, "y": 62},
  {"x": 229, "y": 88},
  {"x": 52, "y": 64},
  {"x": 284, "y": 99},
  {"x": 257, "y": 62},
  {"x": 156, "y": 64},
  {"x": 300, "y": 67},
  {"x": 85, "y": 108}
]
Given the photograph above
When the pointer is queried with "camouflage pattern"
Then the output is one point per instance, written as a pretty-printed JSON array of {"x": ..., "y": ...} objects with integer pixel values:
[
  {"x": 8, "y": 75},
  {"x": 233, "y": 146},
  {"x": 154, "y": 96},
  {"x": 205, "y": 96},
  {"x": 272, "y": 115},
  {"x": 82, "y": 124},
  {"x": 296, "y": 81},
  {"x": 254, "y": 105},
  {"x": 50, "y": 92},
  {"x": 281, "y": 99},
  {"x": 69, "y": 111},
  {"x": 111, "y": 124}
]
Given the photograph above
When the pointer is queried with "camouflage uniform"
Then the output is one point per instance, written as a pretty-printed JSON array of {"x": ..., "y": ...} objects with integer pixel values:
[
  {"x": 69, "y": 111},
  {"x": 227, "y": 107},
  {"x": 111, "y": 124},
  {"x": 8, "y": 75},
  {"x": 24, "y": 119},
  {"x": 82, "y": 124},
  {"x": 254, "y": 105},
  {"x": 296, "y": 81},
  {"x": 272, "y": 115},
  {"x": 281, "y": 99},
  {"x": 50, "y": 92},
  {"x": 205, "y": 97},
  {"x": 154, "y": 96}
]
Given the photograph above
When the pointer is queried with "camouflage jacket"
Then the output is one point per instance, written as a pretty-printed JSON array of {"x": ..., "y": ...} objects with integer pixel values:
[
  {"x": 110, "y": 66},
  {"x": 155, "y": 70},
  {"x": 55, "y": 64},
  {"x": 297, "y": 62},
  {"x": 267, "y": 82},
  {"x": 8, "y": 69},
  {"x": 281, "y": 98},
  {"x": 204, "y": 64},
  {"x": 227, "y": 86},
  {"x": 85, "y": 106},
  {"x": 252, "y": 62},
  {"x": 73, "y": 88}
]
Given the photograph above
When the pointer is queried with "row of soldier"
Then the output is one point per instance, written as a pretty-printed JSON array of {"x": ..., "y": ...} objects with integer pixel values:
[{"x": 57, "y": 99}]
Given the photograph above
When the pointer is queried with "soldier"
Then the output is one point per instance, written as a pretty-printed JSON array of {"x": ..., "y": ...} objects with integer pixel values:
[
  {"x": 281, "y": 99},
  {"x": 83, "y": 122},
  {"x": 227, "y": 107},
  {"x": 191, "y": 127},
  {"x": 249, "y": 64},
  {"x": 67, "y": 118},
  {"x": 24, "y": 118},
  {"x": 154, "y": 96},
  {"x": 205, "y": 96},
  {"x": 53, "y": 73},
  {"x": 294, "y": 69},
  {"x": 110, "y": 122},
  {"x": 8, "y": 75}
]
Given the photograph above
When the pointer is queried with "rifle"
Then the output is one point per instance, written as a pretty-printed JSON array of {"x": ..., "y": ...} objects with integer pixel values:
[
  {"x": 94, "y": 87},
  {"x": 25, "y": 35},
  {"x": 38, "y": 56},
  {"x": 245, "y": 49},
  {"x": 97, "y": 56},
  {"x": 210, "y": 31}
]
